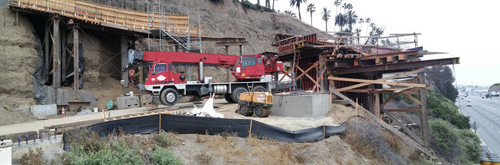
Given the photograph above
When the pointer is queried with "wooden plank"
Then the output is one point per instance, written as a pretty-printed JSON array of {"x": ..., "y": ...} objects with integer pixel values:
[
  {"x": 378, "y": 91},
  {"x": 403, "y": 110},
  {"x": 387, "y": 78},
  {"x": 377, "y": 82}
]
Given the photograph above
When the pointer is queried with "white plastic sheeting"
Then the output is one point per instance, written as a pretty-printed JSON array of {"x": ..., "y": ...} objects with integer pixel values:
[{"x": 208, "y": 110}]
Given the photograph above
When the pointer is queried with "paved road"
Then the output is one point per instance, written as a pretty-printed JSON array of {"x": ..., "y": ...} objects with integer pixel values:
[
  {"x": 486, "y": 114},
  {"x": 36, "y": 125}
]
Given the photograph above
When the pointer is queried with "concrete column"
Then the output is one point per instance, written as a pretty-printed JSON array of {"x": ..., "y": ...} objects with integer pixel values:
[
  {"x": 76, "y": 60},
  {"x": 63, "y": 56},
  {"x": 124, "y": 47},
  {"x": 424, "y": 116},
  {"x": 46, "y": 50}
]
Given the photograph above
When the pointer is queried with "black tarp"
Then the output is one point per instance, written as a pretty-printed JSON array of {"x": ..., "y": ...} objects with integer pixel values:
[{"x": 212, "y": 126}]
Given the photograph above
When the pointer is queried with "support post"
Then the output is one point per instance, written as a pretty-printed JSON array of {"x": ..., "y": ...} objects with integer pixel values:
[
  {"x": 56, "y": 47},
  {"x": 63, "y": 56},
  {"x": 76, "y": 61},
  {"x": 56, "y": 77},
  {"x": 241, "y": 50},
  {"x": 322, "y": 75},
  {"x": 141, "y": 75},
  {"x": 228, "y": 73},
  {"x": 377, "y": 105},
  {"x": 424, "y": 114},
  {"x": 124, "y": 58},
  {"x": 46, "y": 50},
  {"x": 16, "y": 23}
]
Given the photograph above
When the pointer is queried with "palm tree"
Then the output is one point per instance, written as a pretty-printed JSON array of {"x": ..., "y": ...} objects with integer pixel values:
[
  {"x": 351, "y": 18},
  {"x": 311, "y": 9},
  {"x": 258, "y": 2},
  {"x": 357, "y": 34},
  {"x": 268, "y": 3},
  {"x": 361, "y": 21},
  {"x": 297, "y": 4},
  {"x": 367, "y": 21},
  {"x": 337, "y": 4},
  {"x": 326, "y": 16},
  {"x": 290, "y": 13},
  {"x": 273, "y": 3},
  {"x": 341, "y": 21}
]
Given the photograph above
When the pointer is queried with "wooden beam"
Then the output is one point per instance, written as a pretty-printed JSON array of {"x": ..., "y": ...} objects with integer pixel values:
[
  {"x": 286, "y": 74},
  {"x": 377, "y": 82},
  {"x": 308, "y": 76},
  {"x": 304, "y": 72},
  {"x": 387, "y": 78},
  {"x": 406, "y": 130},
  {"x": 377, "y": 105},
  {"x": 378, "y": 91},
  {"x": 392, "y": 67},
  {"x": 424, "y": 116},
  {"x": 389, "y": 99},
  {"x": 76, "y": 62},
  {"x": 403, "y": 110},
  {"x": 415, "y": 142}
]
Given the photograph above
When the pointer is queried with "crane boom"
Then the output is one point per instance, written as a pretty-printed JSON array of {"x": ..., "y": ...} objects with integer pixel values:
[{"x": 183, "y": 57}]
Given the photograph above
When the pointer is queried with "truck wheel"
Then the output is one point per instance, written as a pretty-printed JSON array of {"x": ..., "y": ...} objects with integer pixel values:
[
  {"x": 228, "y": 98},
  {"x": 259, "y": 89},
  {"x": 236, "y": 93},
  {"x": 169, "y": 96}
]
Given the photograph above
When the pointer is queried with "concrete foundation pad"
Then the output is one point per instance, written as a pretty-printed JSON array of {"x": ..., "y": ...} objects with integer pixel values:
[
  {"x": 44, "y": 110},
  {"x": 309, "y": 105}
]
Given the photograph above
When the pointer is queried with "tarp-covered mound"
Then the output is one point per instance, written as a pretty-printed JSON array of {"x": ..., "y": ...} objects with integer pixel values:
[{"x": 212, "y": 126}]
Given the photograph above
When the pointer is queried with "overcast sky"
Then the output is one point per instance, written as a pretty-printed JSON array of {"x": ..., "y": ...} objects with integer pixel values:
[{"x": 465, "y": 29}]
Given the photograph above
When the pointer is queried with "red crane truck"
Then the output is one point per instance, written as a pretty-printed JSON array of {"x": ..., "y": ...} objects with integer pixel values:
[{"x": 252, "y": 73}]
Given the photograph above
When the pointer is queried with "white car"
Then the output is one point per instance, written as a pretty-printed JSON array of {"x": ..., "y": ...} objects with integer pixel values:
[{"x": 469, "y": 104}]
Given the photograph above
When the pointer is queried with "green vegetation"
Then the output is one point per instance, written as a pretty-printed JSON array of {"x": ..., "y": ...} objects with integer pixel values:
[
  {"x": 117, "y": 152},
  {"x": 441, "y": 79},
  {"x": 451, "y": 137},
  {"x": 163, "y": 156},
  {"x": 249, "y": 5},
  {"x": 442, "y": 108},
  {"x": 33, "y": 157},
  {"x": 88, "y": 148}
]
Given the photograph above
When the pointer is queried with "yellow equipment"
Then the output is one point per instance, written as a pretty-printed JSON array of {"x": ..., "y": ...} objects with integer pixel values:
[{"x": 258, "y": 103}]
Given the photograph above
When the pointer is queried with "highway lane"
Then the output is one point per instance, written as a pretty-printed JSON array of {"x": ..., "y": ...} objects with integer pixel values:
[{"x": 486, "y": 114}]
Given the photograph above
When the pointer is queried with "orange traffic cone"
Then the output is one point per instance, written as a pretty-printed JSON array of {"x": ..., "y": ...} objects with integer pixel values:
[{"x": 63, "y": 112}]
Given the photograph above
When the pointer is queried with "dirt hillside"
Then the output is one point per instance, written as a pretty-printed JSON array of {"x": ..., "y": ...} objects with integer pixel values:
[{"x": 18, "y": 60}]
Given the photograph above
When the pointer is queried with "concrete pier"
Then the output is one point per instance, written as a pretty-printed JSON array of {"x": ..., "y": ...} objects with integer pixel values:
[{"x": 308, "y": 105}]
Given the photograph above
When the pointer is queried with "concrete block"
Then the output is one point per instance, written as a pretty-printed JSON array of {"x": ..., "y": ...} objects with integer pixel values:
[
  {"x": 127, "y": 102},
  {"x": 146, "y": 100},
  {"x": 43, "y": 110},
  {"x": 309, "y": 105},
  {"x": 6, "y": 152}
]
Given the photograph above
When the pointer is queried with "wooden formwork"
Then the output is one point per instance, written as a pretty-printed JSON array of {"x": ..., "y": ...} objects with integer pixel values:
[{"x": 106, "y": 15}]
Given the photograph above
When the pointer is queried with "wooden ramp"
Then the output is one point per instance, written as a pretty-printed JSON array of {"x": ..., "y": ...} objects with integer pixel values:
[{"x": 108, "y": 16}]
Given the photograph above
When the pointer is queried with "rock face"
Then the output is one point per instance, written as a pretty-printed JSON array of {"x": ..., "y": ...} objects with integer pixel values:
[{"x": 17, "y": 60}]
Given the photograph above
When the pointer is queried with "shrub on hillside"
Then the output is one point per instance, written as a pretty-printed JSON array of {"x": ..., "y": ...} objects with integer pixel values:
[
  {"x": 163, "y": 156},
  {"x": 117, "y": 152},
  {"x": 458, "y": 146},
  {"x": 442, "y": 108},
  {"x": 368, "y": 138}
]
